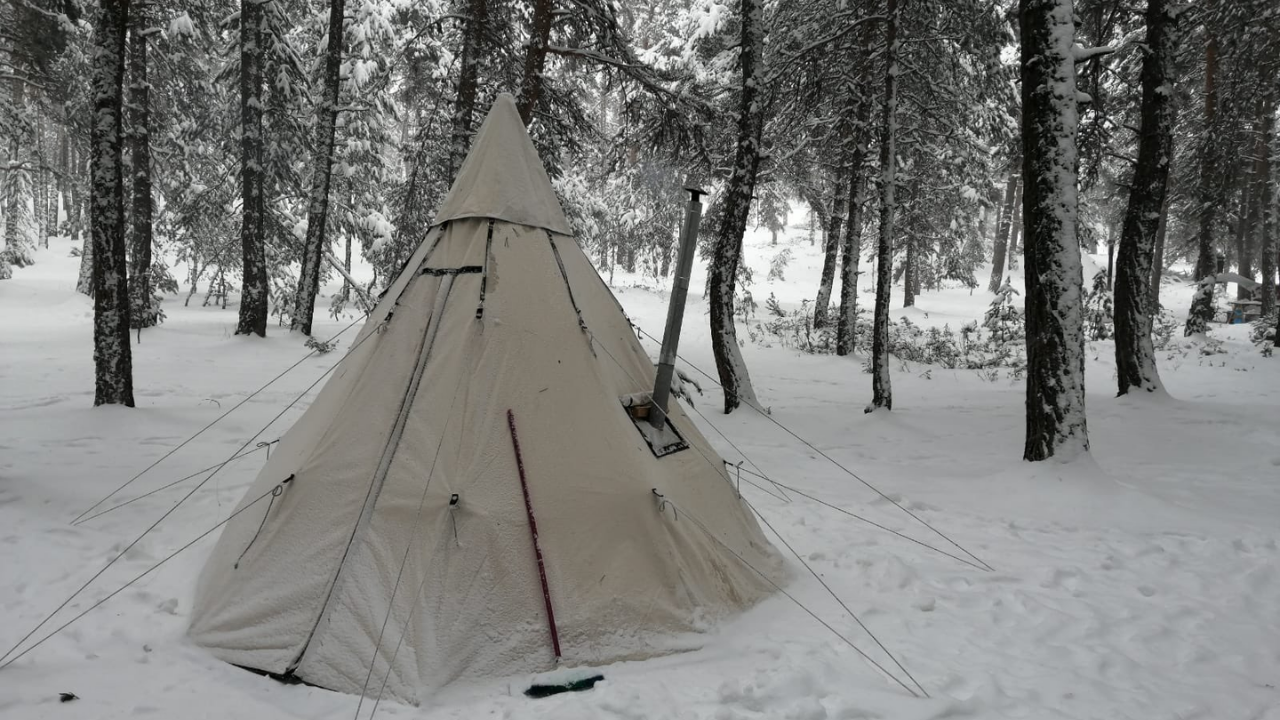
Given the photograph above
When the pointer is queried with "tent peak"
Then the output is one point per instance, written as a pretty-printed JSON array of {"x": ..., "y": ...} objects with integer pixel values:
[{"x": 503, "y": 178}]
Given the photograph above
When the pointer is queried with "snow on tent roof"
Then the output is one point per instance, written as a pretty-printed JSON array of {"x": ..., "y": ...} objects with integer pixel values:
[{"x": 503, "y": 178}]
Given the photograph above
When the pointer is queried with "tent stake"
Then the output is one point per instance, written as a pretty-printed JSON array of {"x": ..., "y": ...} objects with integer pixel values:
[{"x": 533, "y": 528}]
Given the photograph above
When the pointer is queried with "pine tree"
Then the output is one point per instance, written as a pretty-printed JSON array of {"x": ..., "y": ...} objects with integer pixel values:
[
  {"x": 727, "y": 252},
  {"x": 1201, "y": 312},
  {"x": 1133, "y": 309},
  {"x": 1054, "y": 285},
  {"x": 322, "y": 165},
  {"x": 112, "y": 354},
  {"x": 882, "y": 392},
  {"x": 1003, "y": 226},
  {"x": 254, "y": 295},
  {"x": 142, "y": 313}
]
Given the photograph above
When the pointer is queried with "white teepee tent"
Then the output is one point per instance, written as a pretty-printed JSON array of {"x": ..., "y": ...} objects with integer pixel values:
[{"x": 403, "y": 530}]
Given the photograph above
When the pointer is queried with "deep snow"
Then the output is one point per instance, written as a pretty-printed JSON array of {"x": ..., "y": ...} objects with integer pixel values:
[{"x": 1143, "y": 582}]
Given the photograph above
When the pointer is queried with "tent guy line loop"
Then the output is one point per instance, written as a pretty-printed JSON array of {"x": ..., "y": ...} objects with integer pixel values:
[
  {"x": 184, "y": 498},
  {"x": 836, "y": 597},
  {"x": 828, "y": 458},
  {"x": 213, "y": 422},
  {"x": 166, "y": 486},
  {"x": 11, "y": 660},
  {"x": 732, "y": 444},
  {"x": 802, "y": 606}
]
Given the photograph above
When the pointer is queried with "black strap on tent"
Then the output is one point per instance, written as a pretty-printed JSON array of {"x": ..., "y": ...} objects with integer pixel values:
[
  {"x": 582, "y": 324},
  {"x": 464, "y": 270},
  {"x": 484, "y": 279}
]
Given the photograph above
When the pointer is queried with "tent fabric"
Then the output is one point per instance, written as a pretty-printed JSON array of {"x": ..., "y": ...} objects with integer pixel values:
[
  {"x": 503, "y": 177},
  {"x": 362, "y": 555}
]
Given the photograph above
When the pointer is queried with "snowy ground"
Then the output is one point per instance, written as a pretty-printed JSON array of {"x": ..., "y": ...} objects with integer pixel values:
[{"x": 1141, "y": 583}]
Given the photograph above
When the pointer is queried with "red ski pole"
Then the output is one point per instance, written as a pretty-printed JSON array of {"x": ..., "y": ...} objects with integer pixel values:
[{"x": 533, "y": 528}]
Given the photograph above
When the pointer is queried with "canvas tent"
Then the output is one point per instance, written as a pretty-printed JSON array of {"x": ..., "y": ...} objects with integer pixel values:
[{"x": 400, "y": 522}]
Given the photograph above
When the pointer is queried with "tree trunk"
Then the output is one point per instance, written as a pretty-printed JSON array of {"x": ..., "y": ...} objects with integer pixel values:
[
  {"x": 1157, "y": 256},
  {"x": 910, "y": 270},
  {"x": 65, "y": 170},
  {"x": 723, "y": 272},
  {"x": 1202, "y": 302},
  {"x": 535, "y": 59},
  {"x": 40, "y": 187},
  {"x": 831, "y": 247},
  {"x": 255, "y": 293},
  {"x": 1054, "y": 287},
  {"x": 346, "y": 265},
  {"x": 881, "y": 390},
  {"x": 1111, "y": 263},
  {"x": 1242, "y": 231},
  {"x": 15, "y": 200},
  {"x": 75, "y": 218},
  {"x": 851, "y": 250},
  {"x": 1002, "y": 233},
  {"x": 322, "y": 166},
  {"x": 75, "y": 211},
  {"x": 141, "y": 314},
  {"x": 1258, "y": 190},
  {"x": 112, "y": 355},
  {"x": 468, "y": 81},
  {"x": 1267, "y": 228},
  {"x": 1133, "y": 306},
  {"x": 1015, "y": 230}
]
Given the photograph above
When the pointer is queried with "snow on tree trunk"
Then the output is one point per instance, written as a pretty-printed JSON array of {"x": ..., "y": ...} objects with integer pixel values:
[
  {"x": 1015, "y": 230},
  {"x": 1133, "y": 309},
  {"x": 535, "y": 60},
  {"x": 1267, "y": 228},
  {"x": 727, "y": 251},
  {"x": 255, "y": 294},
  {"x": 112, "y": 355},
  {"x": 84, "y": 282},
  {"x": 831, "y": 247},
  {"x": 1002, "y": 233},
  {"x": 1202, "y": 302},
  {"x": 1054, "y": 286},
  {"x": 882, "y": 392},
  {"x": 75, "y": 218},
  {"x": 322, "y": 166},
  {"x": 142, "y": 315},
  {"x": 468, "y": 81}
]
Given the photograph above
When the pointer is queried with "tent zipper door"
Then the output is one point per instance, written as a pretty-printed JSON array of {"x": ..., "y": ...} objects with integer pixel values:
[{"x": 388, "y": 455}]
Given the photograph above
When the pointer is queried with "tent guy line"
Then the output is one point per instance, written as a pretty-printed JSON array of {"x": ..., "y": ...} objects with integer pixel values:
[
  {"x": 198, "y": 433},
  {"x": 827, "y": 457},
  {"x": 166, "y": 486},
  {"x": 186, "y": 497},
  {"x": 870, "y": 522},
  {"x": 699, "y": 524},
  {"x": 984, "y": 567},
  {"x": 122, "y": 588},
  {"x": 836, "y": 597}
]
